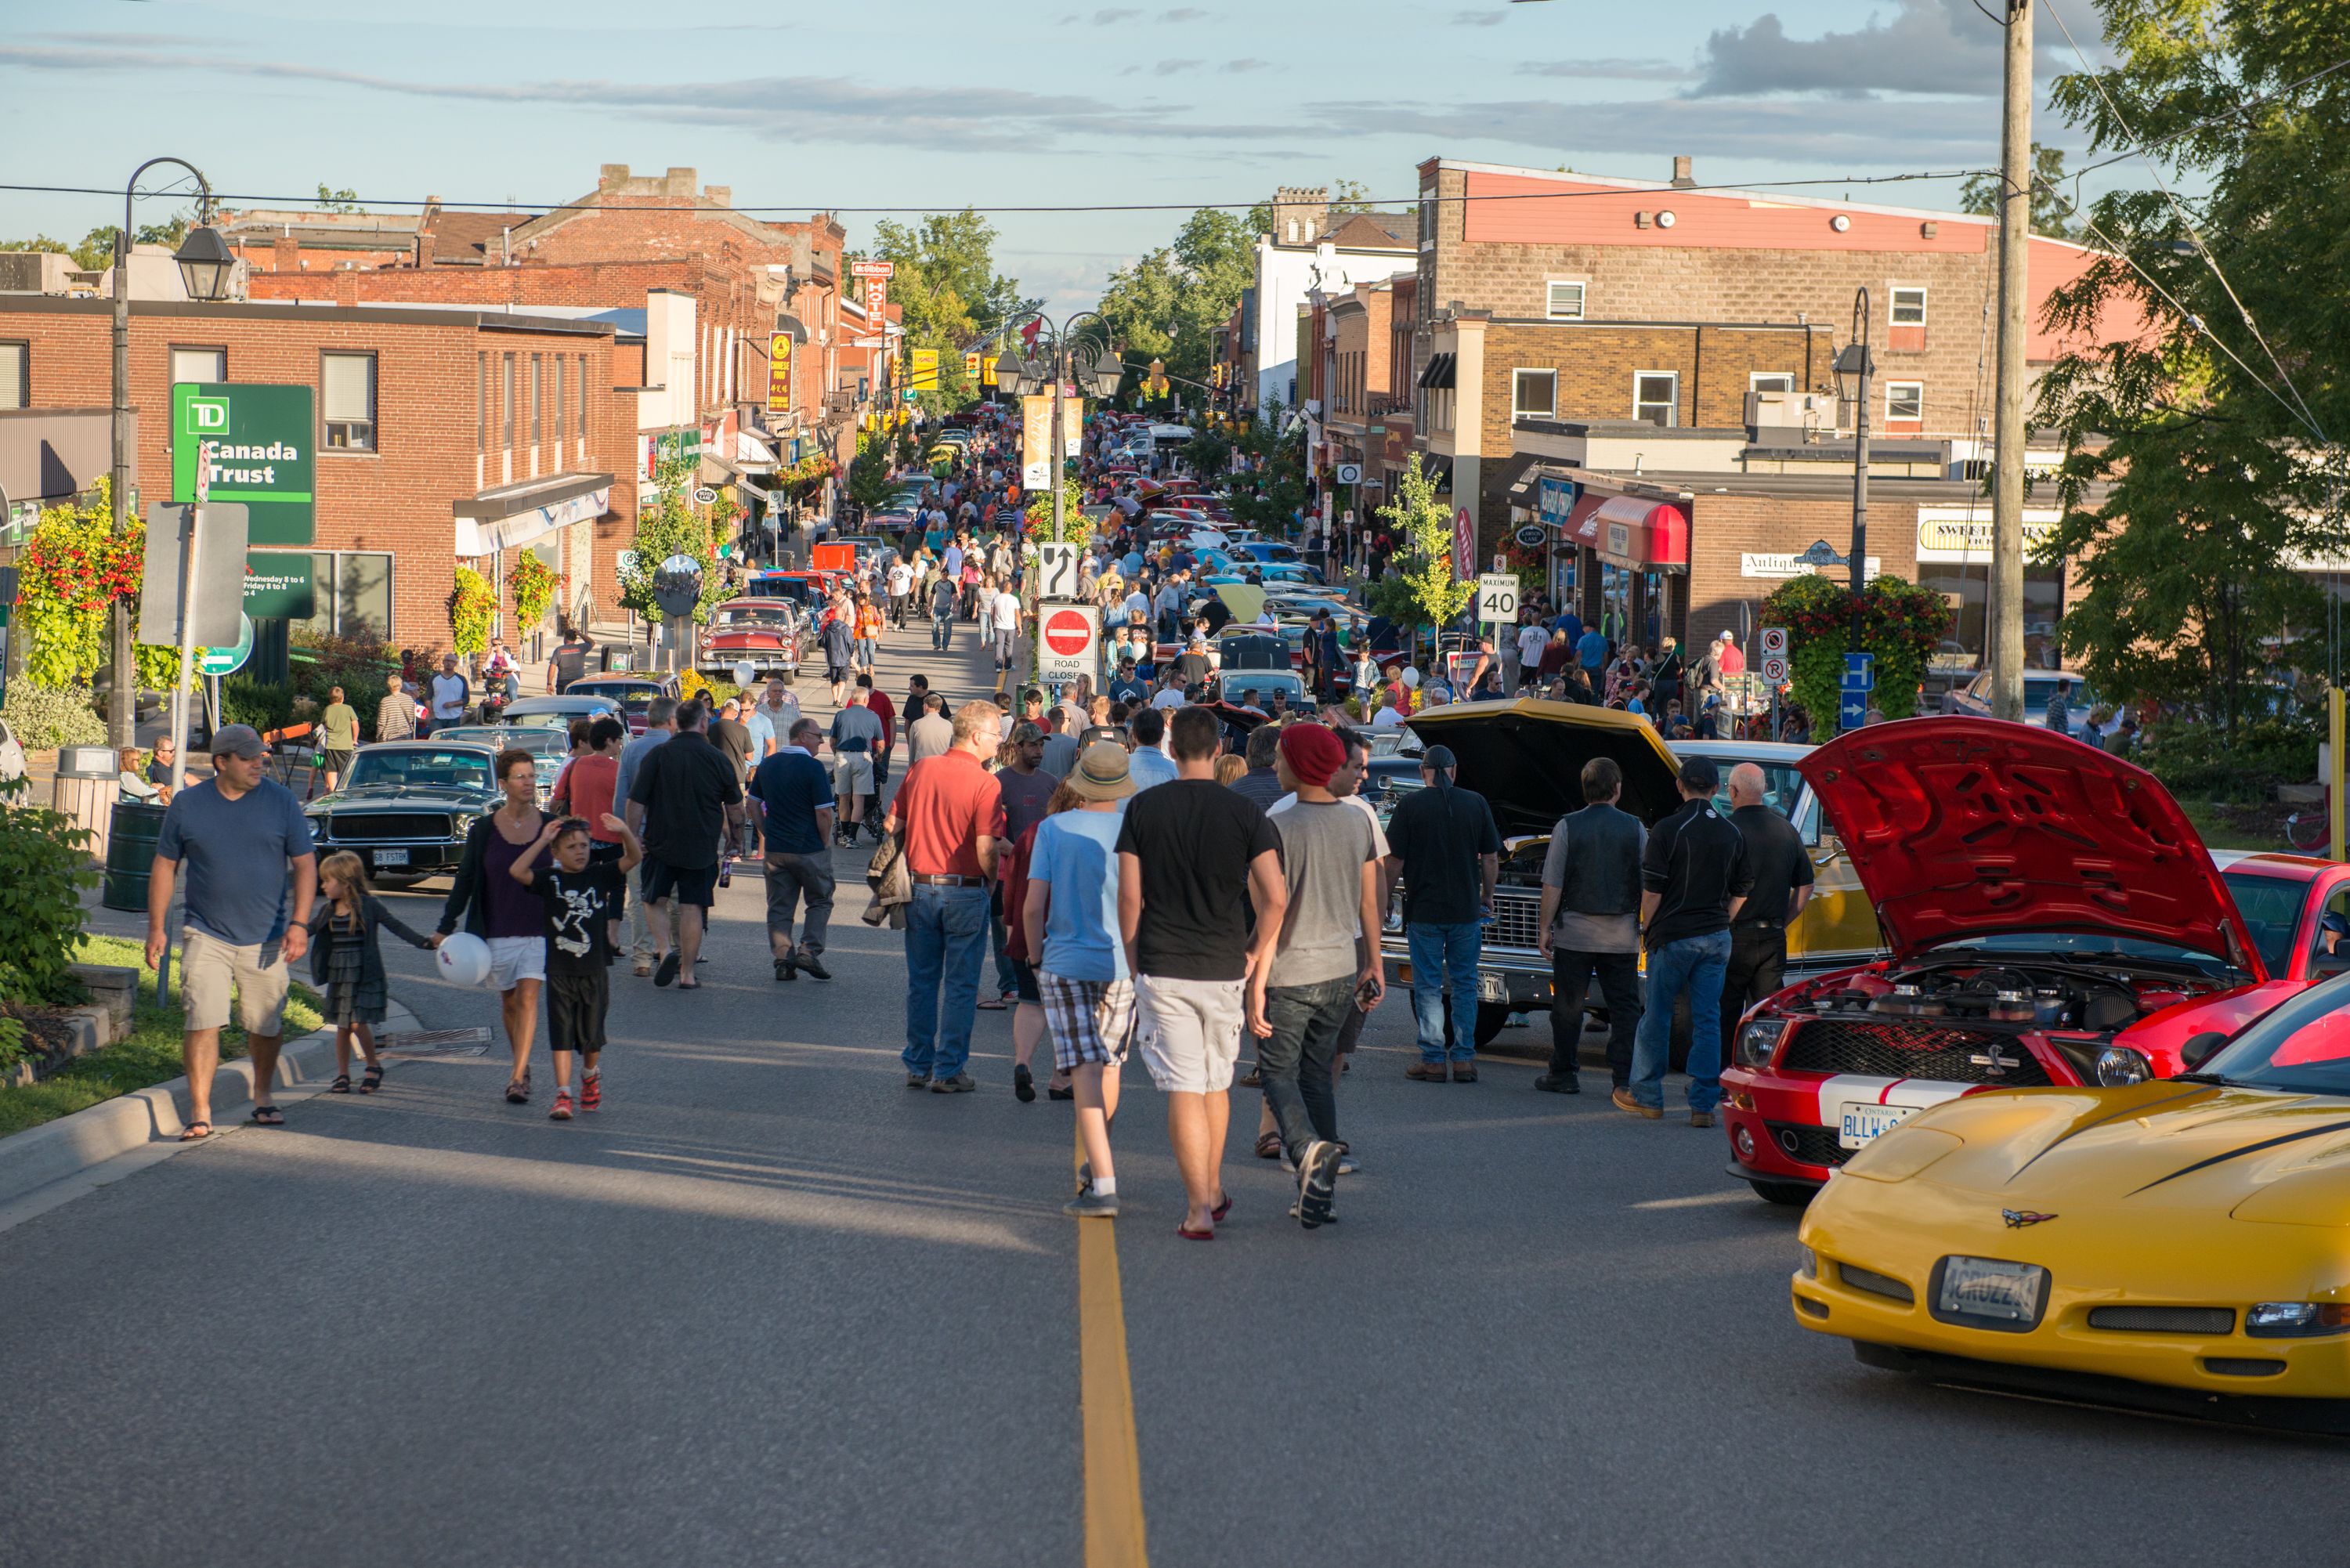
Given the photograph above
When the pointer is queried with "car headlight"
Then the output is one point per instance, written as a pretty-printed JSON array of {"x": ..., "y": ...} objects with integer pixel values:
[
  {"x": 2118, "y": 1067},
  {"x": 1808, "y": 1262},
  {"x": 2296, "y": 1320},
  {"x": 1758, "y": 1040}
]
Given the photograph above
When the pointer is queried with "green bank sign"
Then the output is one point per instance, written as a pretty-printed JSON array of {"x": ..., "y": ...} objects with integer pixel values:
[{"x": 262, "y": 454}]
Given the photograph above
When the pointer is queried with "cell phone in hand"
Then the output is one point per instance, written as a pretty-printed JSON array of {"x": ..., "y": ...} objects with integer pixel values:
[{"x": 1366, "y": 994}]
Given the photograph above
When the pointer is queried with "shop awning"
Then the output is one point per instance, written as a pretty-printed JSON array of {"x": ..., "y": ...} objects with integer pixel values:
[
  {"x": 1643, "y": 534},
  {"x": 1579, "y": 528},
  {"x": 498, "y": 520},
  {"x": 1520, "y": 476},
  {"x": 755, "y": 455},
  {"x": 1438, "y": 372}
]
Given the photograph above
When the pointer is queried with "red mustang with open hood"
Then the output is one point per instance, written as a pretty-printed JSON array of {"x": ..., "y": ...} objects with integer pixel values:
[{"x": 2054, "y": 919}]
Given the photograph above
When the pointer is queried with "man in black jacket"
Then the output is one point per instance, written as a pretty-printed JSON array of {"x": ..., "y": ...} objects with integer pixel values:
[
  {"x": 1694, "y": 878},
  {"x": 678, "y": 801},
  {"x": 1783, "y": 885},
  {"x": 1591, "y": 925}
]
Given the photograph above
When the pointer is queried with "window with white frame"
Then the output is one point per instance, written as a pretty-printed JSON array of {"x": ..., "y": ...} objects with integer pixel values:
[
  {"x": 347, "y": 401},
  {"x": 1563, "y": 301},
  {"x": 198, "y": 365},
  {"x": 1770, "y": 381},
  {"x": 1439, "y": 408},
  {"x": 1656, "y": 397},
  {"x": 1533, "y": 394},
  {"x": 15, "y": 376},
  {"x": 1427, "y": 220},
  {"x": 1905, "y": 402},
  {"x": 1908, "y": 308},
  {"x": 353, "y": 594}
]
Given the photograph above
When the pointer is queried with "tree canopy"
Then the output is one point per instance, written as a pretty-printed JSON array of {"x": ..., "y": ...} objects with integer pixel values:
[
  {"x": 2052, "y": 211},
  {"x": 1168, "y": 303},
  {"x": 952, "y": 296}
]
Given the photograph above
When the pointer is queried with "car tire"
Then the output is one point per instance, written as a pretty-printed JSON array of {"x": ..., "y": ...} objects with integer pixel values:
[{"x": 1790, "y": 1194}]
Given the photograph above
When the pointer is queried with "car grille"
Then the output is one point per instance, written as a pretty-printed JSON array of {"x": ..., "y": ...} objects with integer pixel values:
[
  {"x": 2164, "y": 1319},
  {"x": 1811, "y": 1145},
  {"x": 1869, "y": 1280},
  {"x": 394, "y": 827},
  {"x": 1517, "y": 920},
  {"x": 1911, "y": 1048}
]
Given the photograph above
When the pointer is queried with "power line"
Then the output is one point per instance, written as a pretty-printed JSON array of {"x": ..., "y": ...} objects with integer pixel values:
[
  {"x": 2193, "y": 126},
  {"x": 573, "y": 206}
]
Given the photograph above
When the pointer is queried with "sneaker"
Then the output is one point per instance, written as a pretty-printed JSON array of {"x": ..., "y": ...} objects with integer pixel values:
[
  {"x": 1091, "y": 1205},
  {"x": 591, "y": 1092},
  {"x": 1024, "y": 1084},
  {"x": 812, "y": 965},
  {"x": 1317, "y": 1180},
  {"x": 960, "y": 1084},
  {"x": 918, "y": 1080},
  {"x": 1559, "y": 1084},
  {"x": 1623, "y": 1101},
  {"x": 562, "y": 1111},
  {"x": 786, "y": 968}
]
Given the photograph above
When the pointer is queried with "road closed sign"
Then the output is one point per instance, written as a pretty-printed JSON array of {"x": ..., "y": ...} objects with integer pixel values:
[{"x": 1067, "y": 643}]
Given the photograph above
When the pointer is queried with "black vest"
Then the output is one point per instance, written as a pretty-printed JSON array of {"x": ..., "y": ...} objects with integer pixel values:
[{"x": 1603, "y": 861}]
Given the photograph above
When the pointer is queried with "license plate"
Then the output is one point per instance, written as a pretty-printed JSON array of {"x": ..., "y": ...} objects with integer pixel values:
[
  {"x": 1492, "y": 988},
  {"x": 1862, "y": 1121},
  {"x": 391, "y": 856},
  {"x": 1991, "y": 1289}
]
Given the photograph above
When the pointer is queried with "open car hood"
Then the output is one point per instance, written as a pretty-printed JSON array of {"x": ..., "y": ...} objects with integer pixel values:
[
  {"x": 1967, "y": 827},
  {"x": 1527, "y": 758}
]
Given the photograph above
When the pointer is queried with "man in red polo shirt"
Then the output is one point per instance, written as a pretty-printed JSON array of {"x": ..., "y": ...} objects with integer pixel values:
[{"x": 954, "y": 814}]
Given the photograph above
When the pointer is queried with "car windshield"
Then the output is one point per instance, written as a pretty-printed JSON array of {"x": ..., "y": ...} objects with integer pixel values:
[
  {"x": 2088, "y": 945},
  {"x": 2302, "y": 1047},
  {"x": 421, "y": 767},
  {"x": 633, "y": 699},
  {"x": 751, "y": 618},
  {"x": 1782, "y": 786},
  {"x": 2272, "y": 909}
]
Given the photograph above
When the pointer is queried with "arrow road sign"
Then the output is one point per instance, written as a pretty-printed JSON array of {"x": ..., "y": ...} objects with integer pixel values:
[{"x": 1852, "y": 711}]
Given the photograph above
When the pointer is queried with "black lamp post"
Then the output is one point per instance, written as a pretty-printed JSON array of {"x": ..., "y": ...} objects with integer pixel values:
[
  {"x": 1854, "y": 368},
  {"x": 1057, "y": 355},
  {"x": 206, "y": 266}
]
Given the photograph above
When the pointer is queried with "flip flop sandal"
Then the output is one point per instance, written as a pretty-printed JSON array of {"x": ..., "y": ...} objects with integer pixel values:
[
  {"x": 1268, "y": 1146},
  {"x": 372, "y": 1079},
  {"x": 195, "y": 1132},
  {"x": 341, "y": 1085},
  {"x": 1190, "y": 1235},
  {"x": 1220, "y": 1210},
  {"x": 268, "y": 1116},
  {"x": 518, "y": 1091}
]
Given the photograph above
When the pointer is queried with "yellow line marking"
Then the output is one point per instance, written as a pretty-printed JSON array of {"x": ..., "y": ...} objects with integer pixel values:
[{"x": 1106, "y": 1397}]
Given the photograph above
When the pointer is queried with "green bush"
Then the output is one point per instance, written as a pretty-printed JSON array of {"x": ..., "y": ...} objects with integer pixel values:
[
  {"x": 46, "y": 717},
  {"x": 2194, "y": 761},
  {"x": 244, "y": 699},
  {"x": 45, "y": 862}
]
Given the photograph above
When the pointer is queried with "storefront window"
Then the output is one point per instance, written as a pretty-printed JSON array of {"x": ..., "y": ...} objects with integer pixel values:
[
  {"x": 353, "y": 593},
  {"x": 1965, "y": 587}
]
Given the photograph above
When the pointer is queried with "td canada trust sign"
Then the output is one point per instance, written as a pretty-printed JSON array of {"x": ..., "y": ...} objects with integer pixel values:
[{"x": 262, "y": 454}]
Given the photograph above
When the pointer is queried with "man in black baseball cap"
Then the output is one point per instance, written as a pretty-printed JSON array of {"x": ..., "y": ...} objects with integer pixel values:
[{"x": 1694, "y": 875}]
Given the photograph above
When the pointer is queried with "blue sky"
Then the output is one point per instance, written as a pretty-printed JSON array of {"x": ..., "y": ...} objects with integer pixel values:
[{"x": 924, "y": 104}]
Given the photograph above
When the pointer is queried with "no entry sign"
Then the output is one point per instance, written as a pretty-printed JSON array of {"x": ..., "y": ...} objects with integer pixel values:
[{"x": 1066, "y": 649}]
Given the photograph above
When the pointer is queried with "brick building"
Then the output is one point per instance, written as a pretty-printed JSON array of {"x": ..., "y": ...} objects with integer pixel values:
[
  {"x": 753, "y": 282},
  {"x": 1360, "y": 343},
  {"x": 442, "y": 434},
  {"x": 1530, "y": 245}
]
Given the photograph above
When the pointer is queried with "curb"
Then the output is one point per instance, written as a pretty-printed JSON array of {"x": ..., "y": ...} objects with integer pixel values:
[{"x": 147, "y": 1121}]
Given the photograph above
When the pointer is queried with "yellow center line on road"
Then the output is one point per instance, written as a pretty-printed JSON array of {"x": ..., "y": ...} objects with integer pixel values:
[{"x": 1114, "y": 1535}]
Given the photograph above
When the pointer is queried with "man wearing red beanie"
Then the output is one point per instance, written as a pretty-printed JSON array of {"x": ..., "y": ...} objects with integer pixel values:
[{"x": 1299, "y": 998}]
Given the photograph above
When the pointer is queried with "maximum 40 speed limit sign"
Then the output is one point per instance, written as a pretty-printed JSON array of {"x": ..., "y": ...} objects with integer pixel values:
[{"x": 1497, "y": 597}]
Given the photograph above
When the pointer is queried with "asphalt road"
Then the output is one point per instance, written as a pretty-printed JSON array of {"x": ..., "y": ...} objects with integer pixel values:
[{"x": 769, "y": 1307}]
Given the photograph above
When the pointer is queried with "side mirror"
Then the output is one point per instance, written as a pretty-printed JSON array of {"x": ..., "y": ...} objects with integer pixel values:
[
  {"x": 2199, "y": 1047},
  {"x": 2327, "y": 965}
]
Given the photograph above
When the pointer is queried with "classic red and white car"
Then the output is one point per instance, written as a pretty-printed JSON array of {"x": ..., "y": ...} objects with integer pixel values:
[
  {"x": 2053, "y": 919},
  {"x": 763, "y": 633}
]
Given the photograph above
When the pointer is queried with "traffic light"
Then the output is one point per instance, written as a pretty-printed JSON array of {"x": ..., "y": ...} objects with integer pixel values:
[{"x": 1158, "y": 378}]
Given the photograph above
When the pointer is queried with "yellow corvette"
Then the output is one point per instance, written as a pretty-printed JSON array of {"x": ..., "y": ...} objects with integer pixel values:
[{"x": 2182, "y": 1245}]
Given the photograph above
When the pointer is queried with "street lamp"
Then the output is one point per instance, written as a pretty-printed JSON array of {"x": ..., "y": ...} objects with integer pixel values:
[
  {"x": 1854, "y": 367},
  {"x": 207, "y": 265}
]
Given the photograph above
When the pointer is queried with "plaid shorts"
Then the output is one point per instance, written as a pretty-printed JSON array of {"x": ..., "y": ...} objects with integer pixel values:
[{"x": 1091, "y": 1020}]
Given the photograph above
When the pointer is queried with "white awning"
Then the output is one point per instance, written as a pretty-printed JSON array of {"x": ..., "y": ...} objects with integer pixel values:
[
  {"x": 752, "y": 453},
  {"x": 499, "y": 520}
]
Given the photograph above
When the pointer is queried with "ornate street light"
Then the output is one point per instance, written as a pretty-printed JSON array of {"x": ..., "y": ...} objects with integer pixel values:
[{"x": 1854, "y": 367}]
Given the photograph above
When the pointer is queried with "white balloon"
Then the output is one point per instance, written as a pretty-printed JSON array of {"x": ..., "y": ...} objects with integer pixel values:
[
  {"x": 464, "y": 958},
  {"x": 1410, "y": 677},
  {"x": 742, "y": 673}
]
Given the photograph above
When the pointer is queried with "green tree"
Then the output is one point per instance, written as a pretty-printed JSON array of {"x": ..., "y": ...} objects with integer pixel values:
[
  {"x": 669, "y": 527},
  {"x": 869, "y": 484},
  {"x": 2051, "y": 213},
  {"x": 1423, "y": 530},
  {"x": 1269, "y": 493},
  {"x": 2217, "y": 446},
  {"x": 950, "y": 292},
  {"x": 345, "y": 200},
  {"x": 1168, "y": 303}
]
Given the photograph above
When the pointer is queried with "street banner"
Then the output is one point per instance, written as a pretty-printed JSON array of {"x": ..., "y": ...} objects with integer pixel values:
[
  {"x": 925, "y": 376},
  {"x": 779, "y": 374},
  {"x": 262, "y": 450},
  {"x": 1464, "y": 544},
  {"x": 1035, "y": 441}
]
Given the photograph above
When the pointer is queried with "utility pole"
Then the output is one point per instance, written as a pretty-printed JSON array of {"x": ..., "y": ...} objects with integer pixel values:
[{"x": 2003, "y": 644}]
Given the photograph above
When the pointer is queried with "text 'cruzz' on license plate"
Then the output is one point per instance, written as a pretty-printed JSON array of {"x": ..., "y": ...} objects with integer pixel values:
[
  {"x": 1861, "y": 1121},
  {"x": 1991, "y": 1288}
]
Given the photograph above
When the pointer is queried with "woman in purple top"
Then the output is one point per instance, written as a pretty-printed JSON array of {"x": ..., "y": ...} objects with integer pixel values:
[{"x": 501, "y": 911}]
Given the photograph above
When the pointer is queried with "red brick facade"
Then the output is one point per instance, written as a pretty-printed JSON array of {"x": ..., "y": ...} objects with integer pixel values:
[{"x": 397, "y": 498}]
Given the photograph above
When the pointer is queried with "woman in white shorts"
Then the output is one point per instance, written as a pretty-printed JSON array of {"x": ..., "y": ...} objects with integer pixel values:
[{"x": 510, "y": 917}]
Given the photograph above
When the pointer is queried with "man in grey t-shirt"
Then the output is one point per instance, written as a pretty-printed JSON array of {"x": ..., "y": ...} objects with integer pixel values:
[
  {"x": 932, "y": 733},
  {"x": 1298, "y": 1002},
  {"x": 1591, "y": 925}
]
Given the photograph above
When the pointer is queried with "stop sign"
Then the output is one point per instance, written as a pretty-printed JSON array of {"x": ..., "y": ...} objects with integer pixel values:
[{"x": 1066, "y": 633}]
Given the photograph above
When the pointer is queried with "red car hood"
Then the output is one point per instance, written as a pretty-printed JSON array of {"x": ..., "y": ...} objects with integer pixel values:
[{"x": 1967, "y": 827}]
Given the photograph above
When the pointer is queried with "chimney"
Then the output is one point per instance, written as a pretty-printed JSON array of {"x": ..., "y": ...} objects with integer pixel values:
[
  {"x": 1682, "y": 179},
  {"x": 718, "y": 195},
  {"x": 611, "y": 174},
  {"x": 286, "y": 254},
  {"x": 679, "y": 182}
]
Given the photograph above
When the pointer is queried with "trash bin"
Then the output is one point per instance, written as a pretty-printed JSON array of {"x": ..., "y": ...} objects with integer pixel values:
[
  {"x": 86, "y": 790},
  {"x": 131, "y": 854}
]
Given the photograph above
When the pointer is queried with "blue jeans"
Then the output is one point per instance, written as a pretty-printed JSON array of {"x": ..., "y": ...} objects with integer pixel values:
[
  {"x": 941, "y": 631},
  {"x": 946, "y": 937},
  {"x": 1441, "y": 953},
  {"x": 1695, "y": 965}
]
